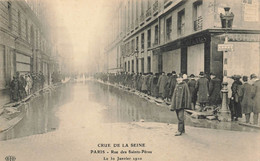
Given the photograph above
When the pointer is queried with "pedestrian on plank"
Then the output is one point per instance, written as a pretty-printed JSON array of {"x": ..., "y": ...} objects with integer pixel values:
[
  {"x": 161, "y": 84},
  {"x": 256, "y": 97},
  {"x": 193, "y": 92},
  {"x": 214, "y": 90},
  {"x": 202, "y": 86},
  {"x": 245, "y": 94},
  {"x": 235, "y": 106},
  {"x": 180, "y": 100}
]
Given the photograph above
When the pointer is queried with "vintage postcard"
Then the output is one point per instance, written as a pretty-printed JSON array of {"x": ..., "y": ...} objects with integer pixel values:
[{"x": 129, "y": 80}]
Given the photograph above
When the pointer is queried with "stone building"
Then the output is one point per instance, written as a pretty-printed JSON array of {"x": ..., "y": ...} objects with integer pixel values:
[
  {"x": 26, "y": 44},
  {"x": 184, "y": 35}
]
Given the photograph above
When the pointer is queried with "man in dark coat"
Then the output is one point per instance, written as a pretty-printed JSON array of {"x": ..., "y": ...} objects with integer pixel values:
[
  {"x": 214, "y": 90},
  {"x": 180, "y": 101},
  {"x": 161, "y": 84},
  {"x": 14, "y": 88},
  {"x": 235, "y": 106},
  {"x": 202, "y": 86},
  {"x": 144, "y": 83},
  {"x": 193, "y": 92},
  {"x": 167, "y": 87},
  {"x": 256, "y": 97},
  {"x": 245, "y": 94},
  {"x": 172, "y": 83}
]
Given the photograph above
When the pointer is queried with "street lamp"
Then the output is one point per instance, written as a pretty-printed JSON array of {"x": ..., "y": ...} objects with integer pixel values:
[{"x": 226, "y": 22}]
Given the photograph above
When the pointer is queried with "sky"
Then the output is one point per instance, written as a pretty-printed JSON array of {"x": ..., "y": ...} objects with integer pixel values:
[{"x": 80, "y": 23}]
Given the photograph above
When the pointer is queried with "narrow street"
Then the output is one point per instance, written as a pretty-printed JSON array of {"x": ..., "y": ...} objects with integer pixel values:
[{"x": 72, "y": 122}]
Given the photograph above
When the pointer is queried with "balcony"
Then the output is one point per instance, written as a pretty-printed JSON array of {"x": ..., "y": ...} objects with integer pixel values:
[
  {"x": 132, "y": 27},
  {"x": 198, "y": 23},
  {"x": 142, "y": 19},
  {"x": 148, "y": 14},
  {"x": 155, "y": 8},
  {"x": 128, "y": 30},
  {"x": 181, "y": 29},
  {"x": 136, "y": 23},
  {"x": 167, "y": 3}
]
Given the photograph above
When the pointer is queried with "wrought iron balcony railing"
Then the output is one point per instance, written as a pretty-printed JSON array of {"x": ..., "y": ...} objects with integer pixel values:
[
  {"x": 136, "y": 23},
  {"x": 167, "y": 3},
  {"x": 142, "y": 18},
  {"x": 155, "y": 7},
  {"x": 198, "y": 23},
  {"x": 181, "y": 29},
  {"x": 148, "y": 14}
]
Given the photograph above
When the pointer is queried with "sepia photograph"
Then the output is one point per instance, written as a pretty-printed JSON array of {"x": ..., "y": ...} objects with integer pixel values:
[{"x": 129, "y": 80}]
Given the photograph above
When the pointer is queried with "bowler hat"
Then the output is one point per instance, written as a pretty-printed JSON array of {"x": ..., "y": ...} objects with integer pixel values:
[
  {"x": 201, "y": 74},
  {"x": 252, "y": 76},
  {"x": 192, "y": 75}
]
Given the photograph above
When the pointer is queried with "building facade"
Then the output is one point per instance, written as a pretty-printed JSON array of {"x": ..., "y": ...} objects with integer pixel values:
[
  {"x": 184, "y": 35},
  {"x": 25, "y": 41}
]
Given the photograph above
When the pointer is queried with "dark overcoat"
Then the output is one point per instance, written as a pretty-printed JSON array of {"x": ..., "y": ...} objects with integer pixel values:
[
  {"x": 245, "y": 94},
  {"x": 161, "y": 83},
  {"x": 214, "y": 91},
  {"x": 172, "y": 84},
  {"x": 167, "y": 88},
  {"x": 193, "y": 92},
  {"x": 145, "y": 83},
  {"x": 181, "y": 97},
  {"x": 256, "y": 96},
  {"x": 202, "y": 86}
]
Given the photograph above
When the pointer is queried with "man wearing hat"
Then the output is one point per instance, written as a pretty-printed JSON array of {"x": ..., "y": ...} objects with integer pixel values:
[
  {"x": 214, "y": 90},
  {"x": 193, "y": 92},
  {"x": 245, "y": 94},
  {"x": 235, "y": 106},
  {"x": 180, "y": 101},
  {"x": 173, "y": 82},
  {"x": 202, "y": 86},
  {"x": 256, "y": 97}
]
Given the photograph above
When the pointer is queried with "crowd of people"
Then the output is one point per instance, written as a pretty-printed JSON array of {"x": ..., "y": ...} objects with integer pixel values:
[
  {"x": 25, "y": 84},
  {"x": 204, "y": 90}
]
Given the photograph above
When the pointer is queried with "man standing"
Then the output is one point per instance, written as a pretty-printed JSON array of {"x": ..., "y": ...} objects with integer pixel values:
[
  {"x": 256, "y": 97},
  {"x": 245, "y": 94},
  {"x": 214, "y": 90},
  {"x": 202, "y": 86},
  {"x": 180, "y": 101},
  {"x": 161, "y": 84}
]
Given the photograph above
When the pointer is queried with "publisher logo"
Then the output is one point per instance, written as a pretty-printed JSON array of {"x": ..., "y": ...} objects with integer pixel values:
[{"x": 10, "y": 158}]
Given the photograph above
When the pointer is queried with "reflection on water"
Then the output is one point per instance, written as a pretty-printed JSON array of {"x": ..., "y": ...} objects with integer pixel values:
[
  {"x": 40, "y": 115},
  {"x": 117, "y": 106},
  {"x": 123, "y": 106}
]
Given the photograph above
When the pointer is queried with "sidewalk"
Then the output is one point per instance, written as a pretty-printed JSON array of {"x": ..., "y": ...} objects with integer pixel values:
[
  {"x": 195, "y": 114},
  {"x": 4, "y": 97}
]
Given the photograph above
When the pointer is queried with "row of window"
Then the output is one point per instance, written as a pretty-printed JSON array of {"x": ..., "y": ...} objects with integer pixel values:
[
  {"x": 32, "y": 36},
  {"x": 136, "y": 65},
  {"x": 132, "y": 45}
]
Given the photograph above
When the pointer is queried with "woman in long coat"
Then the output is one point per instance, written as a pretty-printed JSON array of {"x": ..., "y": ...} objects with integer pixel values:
[
  {"x": 256, "y": 97},
  {"x": 245, "y": 94}
]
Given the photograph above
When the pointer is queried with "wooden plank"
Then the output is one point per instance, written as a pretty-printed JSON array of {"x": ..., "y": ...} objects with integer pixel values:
[
  {"x": 199, "y": 113},
  {"x": 249, "y": 125}
]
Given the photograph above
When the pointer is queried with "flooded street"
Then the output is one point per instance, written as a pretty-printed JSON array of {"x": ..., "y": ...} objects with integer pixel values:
[
  {"x": 101, "y": 103},
  {"x": 71, "y": 122}
]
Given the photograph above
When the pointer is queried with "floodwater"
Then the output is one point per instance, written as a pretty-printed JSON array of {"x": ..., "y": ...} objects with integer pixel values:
[{"x": 115, "y": 105}]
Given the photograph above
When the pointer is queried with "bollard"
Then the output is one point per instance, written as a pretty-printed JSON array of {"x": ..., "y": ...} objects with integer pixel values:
[{"x": 224, "y": 113}]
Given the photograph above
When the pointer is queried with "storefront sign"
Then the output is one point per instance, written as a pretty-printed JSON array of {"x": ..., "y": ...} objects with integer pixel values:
[
  {"x": 225, "y": 47},
  {"x": 244, "y": 37}
]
